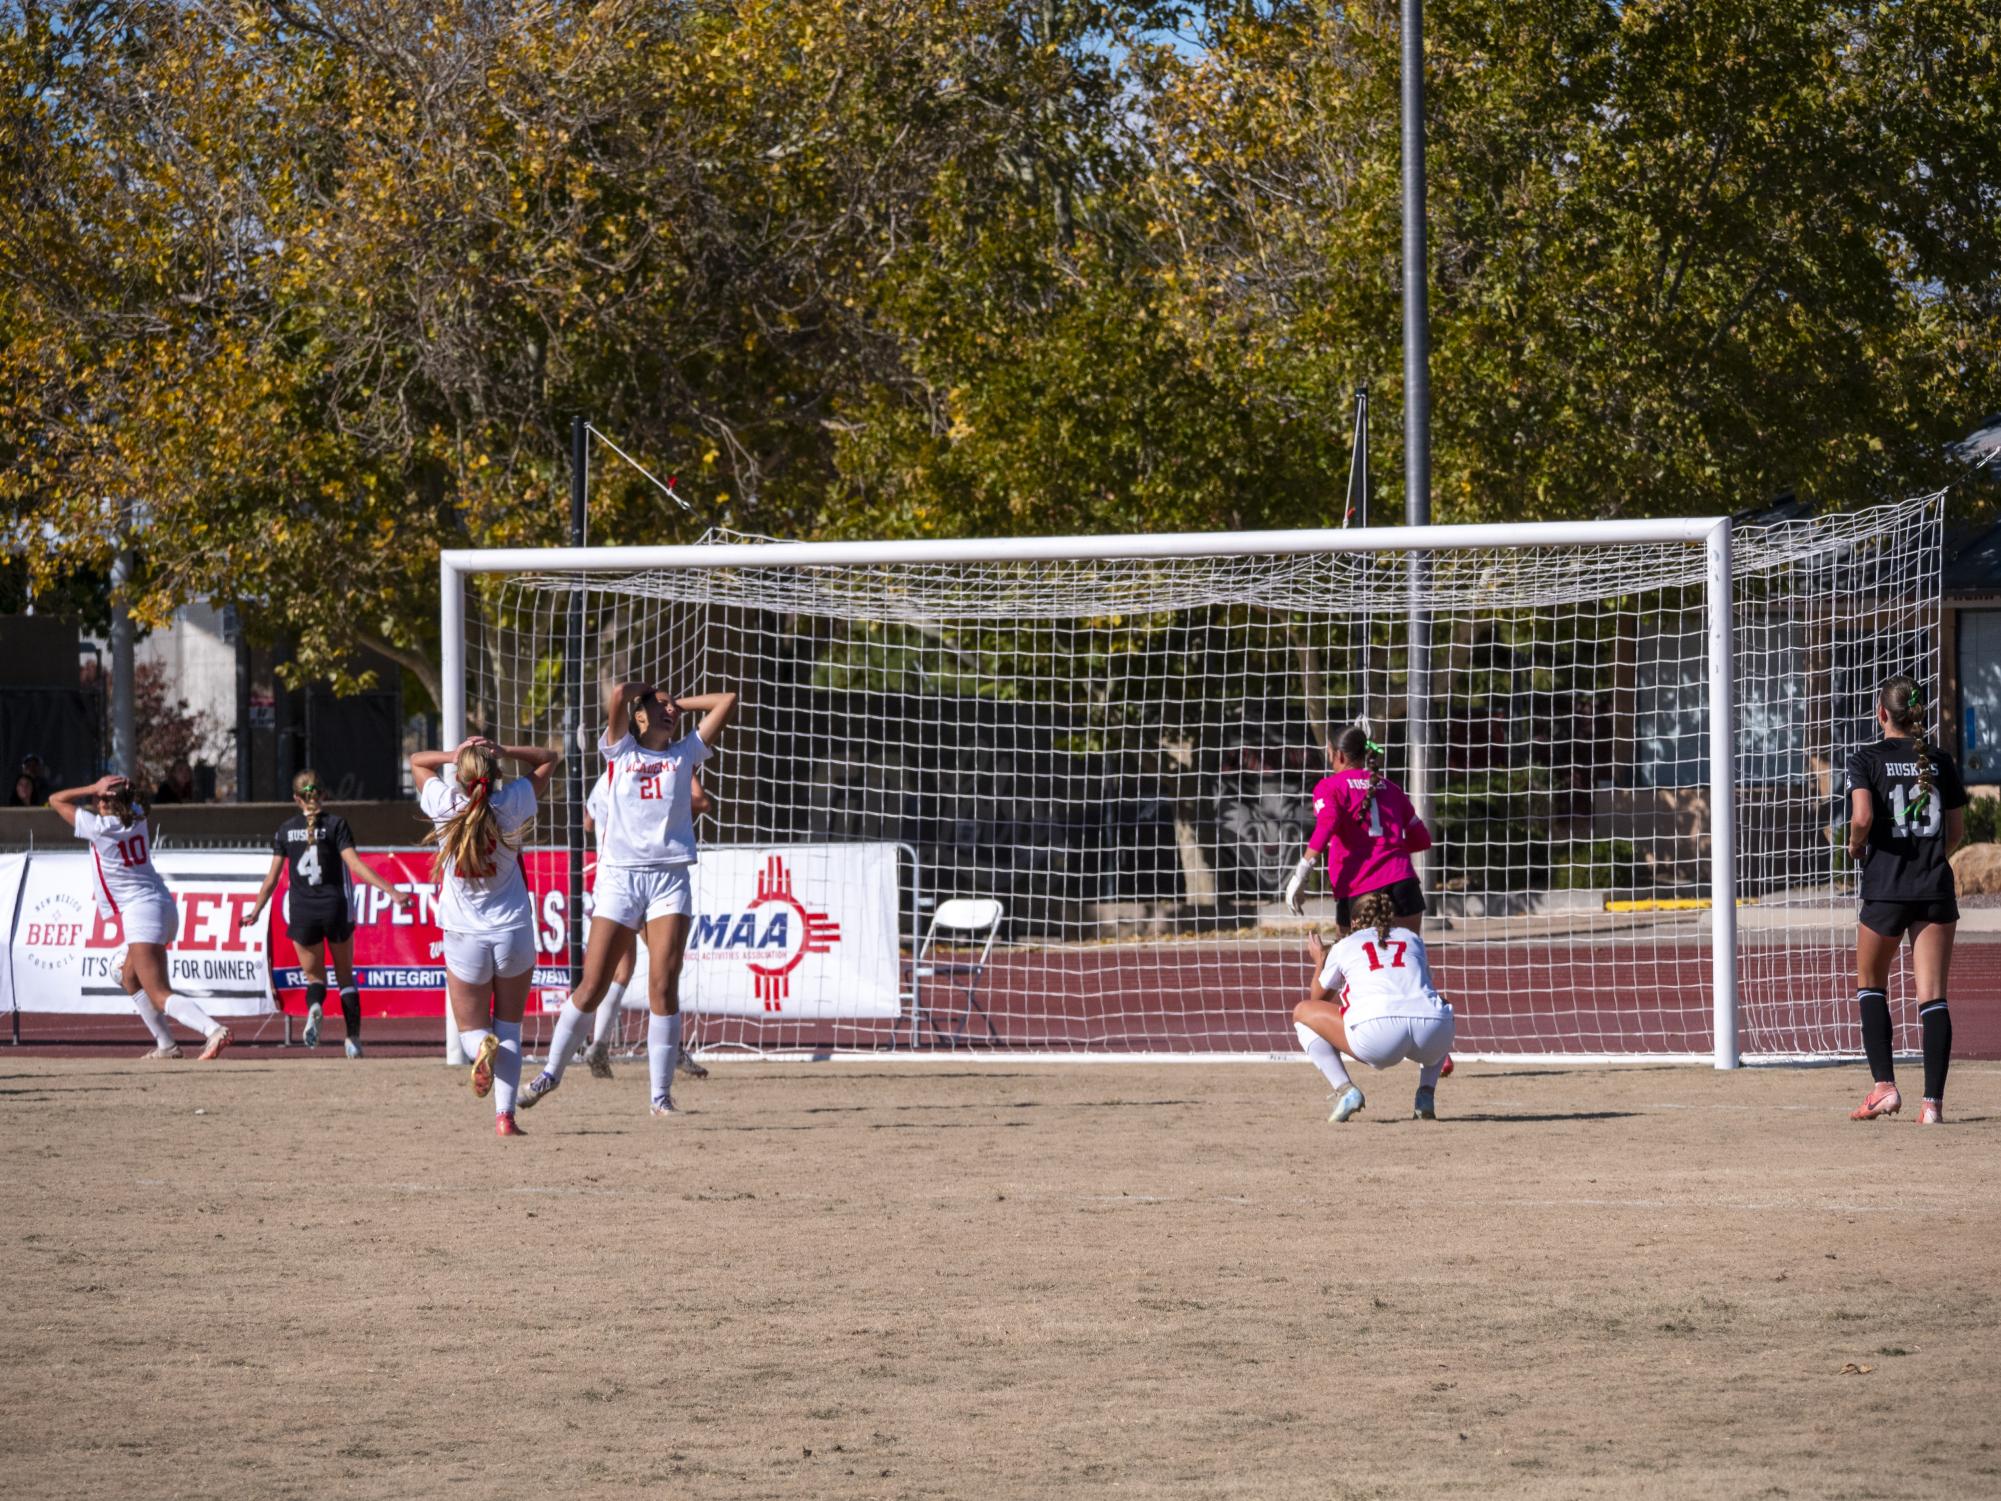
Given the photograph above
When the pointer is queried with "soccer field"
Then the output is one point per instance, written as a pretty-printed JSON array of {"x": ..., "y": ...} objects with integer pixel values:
[{"x": 311, "y": 1278}]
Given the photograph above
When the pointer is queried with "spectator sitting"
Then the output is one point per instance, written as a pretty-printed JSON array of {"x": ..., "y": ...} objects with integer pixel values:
[
  {"x": 31, "y": 783},
  {"x": 177, "y": 787},
  {"x": 24, "y": 792}
]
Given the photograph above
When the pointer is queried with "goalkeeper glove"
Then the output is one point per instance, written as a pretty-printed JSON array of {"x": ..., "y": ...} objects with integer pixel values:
[{"x": 1296, "y": 886}]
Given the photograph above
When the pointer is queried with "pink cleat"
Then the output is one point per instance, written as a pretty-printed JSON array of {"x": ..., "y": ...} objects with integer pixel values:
[
  {"x": 1932, "y": 1113},
  {"x": 217, "y": 1041},
  {"x": 1446, "y": 1072},
  {"x": 1883, "y": 1100},
  {"x": 503, "y": 1125}
]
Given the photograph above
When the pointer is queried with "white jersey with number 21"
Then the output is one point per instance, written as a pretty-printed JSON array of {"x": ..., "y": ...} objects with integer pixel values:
[{"x": 1381, "y": 978}]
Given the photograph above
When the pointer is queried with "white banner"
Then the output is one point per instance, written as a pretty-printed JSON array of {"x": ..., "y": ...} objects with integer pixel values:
[
  {"x": 12, "y": 869},
  {"x": 792, "y": 931},
  {"x": 67, "y": 958}
]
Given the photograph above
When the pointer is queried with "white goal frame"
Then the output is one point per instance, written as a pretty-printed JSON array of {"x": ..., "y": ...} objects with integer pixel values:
[{"x": 1712, "y": 533}]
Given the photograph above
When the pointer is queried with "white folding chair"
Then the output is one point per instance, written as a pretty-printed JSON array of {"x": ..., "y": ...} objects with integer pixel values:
[{"x": 962, "y": 922}]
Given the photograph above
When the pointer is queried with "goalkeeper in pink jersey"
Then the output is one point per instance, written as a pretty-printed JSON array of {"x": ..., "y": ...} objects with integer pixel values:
[{"x": 1367, "y": 826}]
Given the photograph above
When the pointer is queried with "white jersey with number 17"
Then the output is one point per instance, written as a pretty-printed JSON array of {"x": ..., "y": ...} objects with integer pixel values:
[{"x": 1381, "y": 978}]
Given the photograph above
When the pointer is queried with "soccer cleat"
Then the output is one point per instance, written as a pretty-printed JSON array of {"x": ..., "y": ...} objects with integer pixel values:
[
  {"x": 1424, "y": 1107},
  {"x": 691, "y": 1068},
  {"x": 217, "y": 1041},
  {"x": 1883, "y": 1099},
  {"x": 662, "y": 1108},
  {"x": 313, "y": 1014},
  {"x": 1348, "y": 1104},
  {"x": 532, "y": 1092},
  {"x": 598, "y": 1056},
  {"x": 171, "y": 1050},
  {"x": 1931, "y": 1113},
  {"x": 503, "y": 1125},
  {"x": 1446, "y": 1071},
  {"x": 353, "y": 1046},
  {"x": 482, "y": 1066}
]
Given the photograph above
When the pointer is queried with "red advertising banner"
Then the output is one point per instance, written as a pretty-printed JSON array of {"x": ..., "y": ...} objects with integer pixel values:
[{"x": 399, "y": 957}]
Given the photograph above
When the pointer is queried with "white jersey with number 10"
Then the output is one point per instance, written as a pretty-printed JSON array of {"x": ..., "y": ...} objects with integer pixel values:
[
  {"x": 1379, "y": 977},
  {"x": 122, "y": 855}
]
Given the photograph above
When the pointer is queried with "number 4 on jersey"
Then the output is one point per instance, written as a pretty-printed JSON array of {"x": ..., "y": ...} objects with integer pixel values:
[{"x": 309, "y": 865}]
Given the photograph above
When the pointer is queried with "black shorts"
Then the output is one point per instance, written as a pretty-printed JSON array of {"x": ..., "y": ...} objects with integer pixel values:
[
  {"x": 311, "y": 929},
  {"x": 1406, "y": 900},
  {"x": 1894, "y": 919}
]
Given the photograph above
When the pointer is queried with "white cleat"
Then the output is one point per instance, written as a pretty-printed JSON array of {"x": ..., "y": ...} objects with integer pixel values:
[
  {"x": 598, "y": 1056},
  {"x": 1350, "y": 1103},
  {"x": 353, "y": 1046},
  {"x": 171, "y": 1050}
]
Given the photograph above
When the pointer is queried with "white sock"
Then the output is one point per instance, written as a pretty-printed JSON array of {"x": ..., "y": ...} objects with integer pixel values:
[
  {"x": 663, "y": 1033},
  {"x": 150, "y": 1015},
  {"x": 506, "y": 1067},
  {"x": 1427, "y": 1077},
  {"x": 455, "y": 1052},
  {"x": 191, "y": 1016},
  {"x": 570, "y": 1025},
  {"x": 607, "y": 1015},
  {"x": 1324, "y": 1055}
]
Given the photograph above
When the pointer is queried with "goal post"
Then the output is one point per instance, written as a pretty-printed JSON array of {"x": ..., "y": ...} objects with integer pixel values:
[{"x": 1116, "y": 737}]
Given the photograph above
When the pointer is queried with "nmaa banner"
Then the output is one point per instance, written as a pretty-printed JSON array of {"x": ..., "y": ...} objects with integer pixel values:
[{"x": 799, "y": 931}]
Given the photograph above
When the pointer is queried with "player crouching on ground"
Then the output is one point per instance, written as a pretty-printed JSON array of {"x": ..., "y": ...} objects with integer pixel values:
[{"x": 1392, "y": 1012}]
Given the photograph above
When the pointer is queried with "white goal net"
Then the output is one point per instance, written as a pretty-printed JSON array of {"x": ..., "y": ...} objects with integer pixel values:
[{"x": 1120, "y": 753}]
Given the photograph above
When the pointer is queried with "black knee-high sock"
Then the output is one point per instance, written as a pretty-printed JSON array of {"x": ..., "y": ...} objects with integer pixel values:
[
  {"x": 350, "y": 1009},
  {"x": 1935, "y": 1022},
  {"x": 1875, "y": 1006},
  {"x": 316, "y": 995}
]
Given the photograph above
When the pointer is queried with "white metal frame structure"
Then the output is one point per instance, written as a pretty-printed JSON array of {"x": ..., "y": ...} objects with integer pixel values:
[{"x": 1713, "y": 534}]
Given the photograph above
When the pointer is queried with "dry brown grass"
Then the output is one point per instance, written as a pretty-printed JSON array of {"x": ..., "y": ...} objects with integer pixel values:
[{"x": 325, "y": 1279}]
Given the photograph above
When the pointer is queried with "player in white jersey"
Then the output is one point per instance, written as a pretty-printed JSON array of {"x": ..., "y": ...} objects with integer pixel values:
[
  {"x": 129, "y": 888},
  {"x": 1391, "y": 1011},
  {"x": 479, "y": 823},
  {"x": 598, "y": 1054},
  {"x": 646, "y": 849}
]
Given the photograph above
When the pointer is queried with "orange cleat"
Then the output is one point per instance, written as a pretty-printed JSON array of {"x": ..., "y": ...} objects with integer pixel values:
[
  {"x": 217, "y": 1041},
  {"x": 1932, "y": 1113},
  {"x": 1883, "y": 1100},
  {"x": 1446, "y": 1072},
  {"x": 503, "y": 1125},
  {"x": 482, "y": 1066}
]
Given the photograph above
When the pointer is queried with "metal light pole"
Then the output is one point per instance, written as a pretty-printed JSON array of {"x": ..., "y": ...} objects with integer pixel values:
[{"x": 1416, "y": 405}]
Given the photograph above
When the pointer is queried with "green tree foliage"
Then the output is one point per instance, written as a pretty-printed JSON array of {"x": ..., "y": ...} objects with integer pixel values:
[{"x": 295, "y": 292}]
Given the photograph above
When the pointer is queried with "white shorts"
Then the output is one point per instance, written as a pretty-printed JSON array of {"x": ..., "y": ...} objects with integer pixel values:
[
  {"x": 632, "y": 896},
  {"x": 477, "y": 958},
  {"x": 149, "y": 922},
  {"x": 1381, "y": 1041}
]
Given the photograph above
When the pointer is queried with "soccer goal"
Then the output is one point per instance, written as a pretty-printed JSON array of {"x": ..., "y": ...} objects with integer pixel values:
[{"x": 1628, "y": 737}]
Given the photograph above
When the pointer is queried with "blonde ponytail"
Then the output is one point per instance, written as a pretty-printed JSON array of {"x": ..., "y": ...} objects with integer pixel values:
[
  {"x": 1374, "y": 910},
  {"x": 1903, "y": 701},
  {"x": 468, "y": 840}
]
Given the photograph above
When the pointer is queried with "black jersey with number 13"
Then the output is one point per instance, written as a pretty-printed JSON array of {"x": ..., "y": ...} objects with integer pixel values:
[
  {"x": 1906, "y": 858},
  {"x": 319, "y": 875}
]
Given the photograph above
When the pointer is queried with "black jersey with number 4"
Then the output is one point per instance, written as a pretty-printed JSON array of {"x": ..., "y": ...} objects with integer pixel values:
[
  {"x": 1906, "y": 858},
  {"x": 319, "y": 875}
]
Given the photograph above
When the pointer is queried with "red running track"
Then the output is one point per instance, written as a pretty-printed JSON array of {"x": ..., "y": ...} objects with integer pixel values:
[{"x": 1217, "y": 996}]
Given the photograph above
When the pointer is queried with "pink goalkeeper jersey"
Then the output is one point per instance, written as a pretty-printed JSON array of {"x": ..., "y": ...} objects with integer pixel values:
[{"x": 1367, "y": 848}]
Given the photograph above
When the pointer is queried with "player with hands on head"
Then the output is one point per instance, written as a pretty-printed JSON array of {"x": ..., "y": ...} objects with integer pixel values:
[
  {"x": 317, "y": 847},
  {"x": 598, "y": 1054},
  {"x": 129, "y": 888},
  {"x": 1392, "y": 1012},
  {"x": 646, "y": 851},
  {"x": 1906, "y": 815},
  {"x": 479, "y": 822}
]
